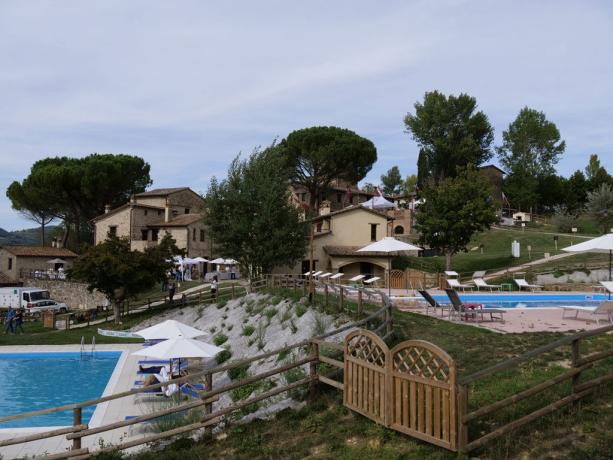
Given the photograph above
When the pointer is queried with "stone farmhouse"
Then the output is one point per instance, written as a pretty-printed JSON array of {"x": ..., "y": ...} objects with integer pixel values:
[
  {"x": 150, "y": 215},
  {"x": 18, "y": 262}
]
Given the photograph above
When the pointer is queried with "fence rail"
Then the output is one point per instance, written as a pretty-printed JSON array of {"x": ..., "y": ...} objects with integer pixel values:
[{"x": 210, "y": 394}]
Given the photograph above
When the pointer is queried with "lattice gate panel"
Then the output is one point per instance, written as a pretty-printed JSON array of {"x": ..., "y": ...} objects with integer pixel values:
[
  {"x": 398, "y": 279},
  {"x": 365, "y": 384},
  {"x": 423, "y": 395}
]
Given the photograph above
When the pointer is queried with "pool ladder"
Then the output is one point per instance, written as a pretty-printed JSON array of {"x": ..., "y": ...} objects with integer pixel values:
[{"x": 84, "y": 352}]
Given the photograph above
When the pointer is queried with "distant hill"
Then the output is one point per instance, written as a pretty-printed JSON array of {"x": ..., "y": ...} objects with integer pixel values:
[{"x": 27, "y": 237}]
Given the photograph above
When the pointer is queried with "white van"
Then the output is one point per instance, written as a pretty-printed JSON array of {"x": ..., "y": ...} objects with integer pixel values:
[{"x": 30, "y": 299}]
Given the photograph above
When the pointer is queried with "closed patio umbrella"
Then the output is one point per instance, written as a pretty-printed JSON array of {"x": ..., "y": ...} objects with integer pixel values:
[
  {"x": 603, "y": 244},
  {"x": 390, "y": 246}
]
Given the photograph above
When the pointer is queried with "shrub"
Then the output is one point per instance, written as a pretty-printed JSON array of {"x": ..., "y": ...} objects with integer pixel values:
[
  {"x": 293, "y": 375},
  {"x": 261, "y": 335},
  {"x": 285, "y": 316},
  {"x": 221, "y": 303},
  {"x": 270, "y": 312},
  {"x": 300, "y": 310},
  {"x": 320, "y": 325},
  {"x": 220, "y": 339},
  {"x": 243, "y": 392},
  {"x": 223, "y": 356},
  {"x": 238, "y": 373},
  {"x": 248, "y": 329},
  {"x": 282, "y": 355}
]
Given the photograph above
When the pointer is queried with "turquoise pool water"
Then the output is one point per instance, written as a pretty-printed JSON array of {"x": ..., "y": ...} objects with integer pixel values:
[
  {"x": 528, "y": 300},
  {"x": 33, "y": 381}
]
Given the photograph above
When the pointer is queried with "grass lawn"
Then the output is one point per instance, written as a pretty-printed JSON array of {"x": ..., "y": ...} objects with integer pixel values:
[
  {"x": 324, "y": 429},
  {"x": 497, "y": 251}
]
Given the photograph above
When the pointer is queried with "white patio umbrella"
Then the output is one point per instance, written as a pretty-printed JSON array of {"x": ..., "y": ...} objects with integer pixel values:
[
  {"x": 179, "y": 347},
  {"x": 602, "y": 244},
  {"x": 169, "y": 329},
  {"x": 219, "y": 261},
  {"x": 200, "y": 259},
  {"x": 56, "y": 261},
  {"x": 390, "y": 246},
  {"x": 231, "y": 262}
]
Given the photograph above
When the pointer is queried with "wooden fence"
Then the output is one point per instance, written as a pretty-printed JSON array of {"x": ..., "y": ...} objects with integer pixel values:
[{"x": 210, "y": 394}]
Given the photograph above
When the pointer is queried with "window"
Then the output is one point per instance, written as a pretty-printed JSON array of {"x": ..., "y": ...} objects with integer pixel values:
[
  {"x": 10, "y": 263},
  {"x": 399, "y": 230},
  {"x": 373, "y": 232},
  {"x": 303, "y": 197},
  {"x": 113, "y": 230},
  {"x": 154, "y": 235},
  {"x": 193, "y": 234},
  {"x": 145, "y": 212},
  {"x": 339, "y": 197},
  {"x": 144, "y": 234},
  {"x": 159, "y": 212},
  {"x": 202, "y": 235},
  {"x": 319, "y": 225},
  {"x": 186, "y": 210}
]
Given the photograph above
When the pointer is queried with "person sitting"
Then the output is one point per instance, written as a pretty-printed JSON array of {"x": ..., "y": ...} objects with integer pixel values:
[{"x": 150, "y": 369}]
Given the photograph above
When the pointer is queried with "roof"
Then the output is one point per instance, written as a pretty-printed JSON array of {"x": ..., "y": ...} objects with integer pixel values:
[
  {"x": 39, "y": 251},
  {"x": 351, "y": 251},
  {"x": 126, "y": 206},
  {"x": 493, "y": 167},
  {"x": 349, "y": 209},
  {"x": 181, "y": 220},
  {"x": 162, "y": 191}
]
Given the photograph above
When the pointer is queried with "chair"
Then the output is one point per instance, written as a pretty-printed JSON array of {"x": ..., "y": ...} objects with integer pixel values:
[
  {"x": 522, "y": 283},
  {"x": 431, "y": 303},
  {"x": 460, "y": 308},
  {"x": 481, "y": 283},
  {"x": 455, "y": 284},
  {"x": 605, "y": 308}
]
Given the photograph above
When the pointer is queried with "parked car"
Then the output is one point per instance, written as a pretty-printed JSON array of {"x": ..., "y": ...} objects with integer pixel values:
[{"x": 36, "y": 308}]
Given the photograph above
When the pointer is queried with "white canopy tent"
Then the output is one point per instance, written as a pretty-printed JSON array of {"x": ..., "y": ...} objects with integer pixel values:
[
  {"x": 169, "y": 329},
  {"x": 603, "y": 244},
  {"x": 56, "y": 261},
  {"x": 390, "y": 246},
  {"x": 378, "y": 202}
]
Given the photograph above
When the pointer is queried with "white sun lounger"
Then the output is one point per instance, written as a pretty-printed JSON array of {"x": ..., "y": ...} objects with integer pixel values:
[
  {"x": 357, "y": 278},
  {"x": 455, "y": 284},
  {"x": 308, "y": 273},
  {"x": 481, "y": 283},
  {"x": 336, "y": 276},
  {"x": 449, "y": 273},
  {"x": 522, "y": 283},
  {"x": 317, "y": 273},
  {"x": 324, "y": 275},
  {"x": 605, "y": 308},
  {"x": 372, "y": 280}
]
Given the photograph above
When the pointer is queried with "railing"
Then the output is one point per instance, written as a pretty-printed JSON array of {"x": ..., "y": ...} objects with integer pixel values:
[
  {"x": 209, "y": 395},
  {"x": 578, "y": 391}
]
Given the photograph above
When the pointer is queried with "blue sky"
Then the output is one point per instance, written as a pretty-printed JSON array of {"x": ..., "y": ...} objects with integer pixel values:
[{"x": 189, "y": 84}]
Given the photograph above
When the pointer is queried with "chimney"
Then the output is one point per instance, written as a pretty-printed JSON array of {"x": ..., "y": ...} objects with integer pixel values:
[
  {"x": 167, "y": 213},
  {"x": 132, "y": 199},
  {"x": 53, "y": 242},
  {"x": 58, "y": 243},
  {"x": 107, "y": 208}
]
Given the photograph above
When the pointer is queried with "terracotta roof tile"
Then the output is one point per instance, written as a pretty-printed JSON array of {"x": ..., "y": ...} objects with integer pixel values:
[
  {"x": 162, "y": 191},
  {"x": 39, "y": 251},
  {"x": 351, "y": 251},
  {"x": 181, "y": 220}
]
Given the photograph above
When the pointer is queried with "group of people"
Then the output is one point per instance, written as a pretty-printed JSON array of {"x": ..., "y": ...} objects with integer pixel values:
[{"x": 13, "y": 321}]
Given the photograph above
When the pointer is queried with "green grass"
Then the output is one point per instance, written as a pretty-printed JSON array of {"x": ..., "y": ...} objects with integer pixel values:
[
  {"x": 325, "y": 429},
  {"x": 496, "y": 251}
]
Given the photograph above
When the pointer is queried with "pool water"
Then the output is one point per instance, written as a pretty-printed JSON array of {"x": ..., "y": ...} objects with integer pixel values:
[
  {"x": 528, "y": 300},
  {"x": 34, "y": 381}
]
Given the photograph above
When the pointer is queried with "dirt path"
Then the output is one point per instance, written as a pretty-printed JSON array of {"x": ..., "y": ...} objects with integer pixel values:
[{"x": 519, "y": 268}]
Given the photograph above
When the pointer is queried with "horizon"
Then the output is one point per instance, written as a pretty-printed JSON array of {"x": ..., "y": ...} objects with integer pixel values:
[{"x": 189, "y": 88}]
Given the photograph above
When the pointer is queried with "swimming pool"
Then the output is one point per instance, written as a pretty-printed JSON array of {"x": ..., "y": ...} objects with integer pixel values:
[
  {"x": 33, "y": 381},
  {"x": 528, "y": 300}
]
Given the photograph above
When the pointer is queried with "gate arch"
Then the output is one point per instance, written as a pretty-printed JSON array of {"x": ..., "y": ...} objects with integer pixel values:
[
  {"x": 422, "y": 380},
  {"x": 366, "y": 361}
]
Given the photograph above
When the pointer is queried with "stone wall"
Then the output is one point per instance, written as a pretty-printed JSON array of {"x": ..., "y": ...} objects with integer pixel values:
[
  {"x": 75, "y": 295},
  {"x": 579, "y": 276}
]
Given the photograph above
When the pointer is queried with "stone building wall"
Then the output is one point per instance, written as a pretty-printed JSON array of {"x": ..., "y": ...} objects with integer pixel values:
[{"x": 75, "y": 295}]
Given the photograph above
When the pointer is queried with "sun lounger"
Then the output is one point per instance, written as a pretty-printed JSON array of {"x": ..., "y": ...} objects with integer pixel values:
[
  {"x": 317, "y": 273},
  {"x": 604, "y": 309},
  {"x": 325, "y": 275},
  {"x": 372, "y": 280},
  {"x": 451, "y": 274},
  {"x": 522, "y": 283},
  {"x": 481, "y": 283},
  {"x": 308, "y": 273},
  {"x": 431, "y": 303},
  {"x": 459, "y": 309},
  {"x": 455, "y": 284},
  {"x": 336, "y": 276},
  {"x": 357, "y": 278}
]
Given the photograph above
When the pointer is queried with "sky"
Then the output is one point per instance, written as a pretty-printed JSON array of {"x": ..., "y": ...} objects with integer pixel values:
[{"x": 188, "y": 85}]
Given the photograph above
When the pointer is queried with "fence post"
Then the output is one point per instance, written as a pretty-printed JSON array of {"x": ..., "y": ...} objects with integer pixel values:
[
  {"x": 208, "y": 387},
  {"x": 148, "y": 303},
  {"x": 360, "y": 307},
  {"x": 341, "y": 300},
  {"x": 389, "y": 328},
  {"x": 462, "y": 411},
  {"x": 314, "y": 354},
  {"x": 575, "y": 358},
  {"x": 76, "y": 420},
  {"x": 326, "y": 295}
]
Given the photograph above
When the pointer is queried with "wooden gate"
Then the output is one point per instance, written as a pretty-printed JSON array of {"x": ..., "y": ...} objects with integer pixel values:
[
  {"x": 366, "y": 358},
  {"x": 398, "y": 279},
  {"x": 423, "y": 392},
  {"x": 411, "y": 388}
]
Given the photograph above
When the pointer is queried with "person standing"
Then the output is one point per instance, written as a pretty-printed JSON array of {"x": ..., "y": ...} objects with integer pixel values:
[
  {"x": 214, "y": 287},
  {"x": 8, "y": 320},
  {"x": 172, "y": 287},
  {"x": 19, "y": 321}
]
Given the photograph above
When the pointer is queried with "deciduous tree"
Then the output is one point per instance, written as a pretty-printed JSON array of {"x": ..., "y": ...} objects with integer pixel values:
[
  {"x": 454, "y": 210},
  {"x": 250, "y": 215},
  {"x": 450, "y": 133},
  {"x": 600, "y": 206}
]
